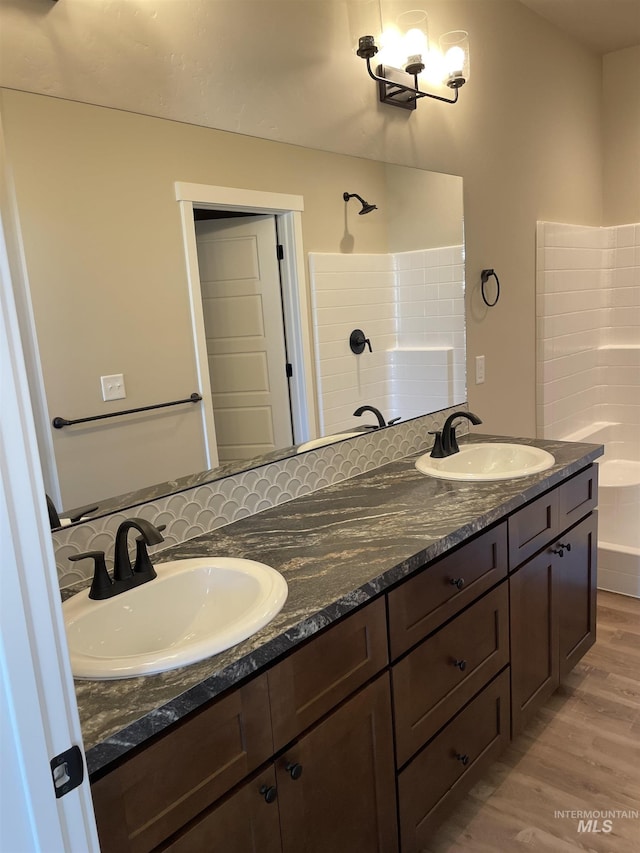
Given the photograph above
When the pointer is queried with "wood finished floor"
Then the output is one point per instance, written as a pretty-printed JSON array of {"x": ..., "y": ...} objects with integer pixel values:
[{"x": 581, "y": 753}]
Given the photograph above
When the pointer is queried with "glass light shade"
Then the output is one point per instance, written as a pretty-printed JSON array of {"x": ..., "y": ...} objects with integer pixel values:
[
  {"x": 364, "y": 19},
  {"x": 391, "y": 52},
  {"x": 404, "y": 41},
  {"x": 454, "y": 47},
  {"x": 413, "y": 26}
]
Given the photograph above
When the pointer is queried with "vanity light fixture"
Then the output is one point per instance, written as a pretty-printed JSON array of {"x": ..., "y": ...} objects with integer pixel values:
[{"x": 405, "y": 53}]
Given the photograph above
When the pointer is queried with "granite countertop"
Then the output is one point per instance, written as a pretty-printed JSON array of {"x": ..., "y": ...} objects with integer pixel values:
[{"x": 337, "y": 548}]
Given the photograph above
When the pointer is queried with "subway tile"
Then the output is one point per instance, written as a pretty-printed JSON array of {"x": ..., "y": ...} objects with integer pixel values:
[
  {"x": 575, "y": 236},
  {"x": 625, "y": 235},
  {"x": 626, "y": 277},
  {"x": 624, "y": 257}
]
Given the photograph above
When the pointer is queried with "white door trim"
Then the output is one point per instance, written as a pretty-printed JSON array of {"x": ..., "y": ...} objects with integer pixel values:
[
  {"x": 39, "y": 715},
  {"x": 288, "y": 212}
]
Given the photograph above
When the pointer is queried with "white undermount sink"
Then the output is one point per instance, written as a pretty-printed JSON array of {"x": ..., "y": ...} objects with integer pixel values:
[
  {"x": 194, "y": 608},
  {"x": 490, "y": 461}
]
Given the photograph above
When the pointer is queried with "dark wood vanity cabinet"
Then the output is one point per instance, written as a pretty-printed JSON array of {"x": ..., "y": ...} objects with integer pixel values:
[
  {"x": 365, "y": 736},
  {"x": 334, "y": 789},
  {"x": 553, "y": 594},
  {"x": 320, "y": 719}
]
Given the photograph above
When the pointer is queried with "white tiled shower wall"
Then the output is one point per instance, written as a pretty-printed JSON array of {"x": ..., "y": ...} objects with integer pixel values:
[
  {"x": 411, "y": 307},
  {"x": 588, "y": 327}
]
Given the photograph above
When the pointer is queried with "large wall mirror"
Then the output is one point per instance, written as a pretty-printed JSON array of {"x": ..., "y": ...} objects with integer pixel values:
[{"x": 111, "y": 293}]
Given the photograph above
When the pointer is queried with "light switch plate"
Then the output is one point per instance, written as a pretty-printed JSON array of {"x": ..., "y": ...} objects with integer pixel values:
[
  {"x": 113, "y": 387},
  {"x": 479, "y": 369}
]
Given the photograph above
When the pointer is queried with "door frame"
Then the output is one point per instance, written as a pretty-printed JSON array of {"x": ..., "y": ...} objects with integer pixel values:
[
  {"x": 287, "y": 210},
  {"x": 39, "y": 716}
]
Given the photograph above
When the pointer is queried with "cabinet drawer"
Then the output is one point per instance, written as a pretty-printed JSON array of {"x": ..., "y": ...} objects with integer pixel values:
[
  {"x": 445, "y": 770},
  {"x": 423, "y": 603},
  {"x": 578, "y": 496},
  {"x": 157, "y": 791},
  {"x": 326, "y": 670},
  {"x": 438, "y": 677},
  {"x": 533, "y": 527}
]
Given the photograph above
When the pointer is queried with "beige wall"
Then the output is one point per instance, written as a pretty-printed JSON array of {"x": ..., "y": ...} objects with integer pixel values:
[
  {"x": 526, "y": 135},
  {"x": 621, "y": 91}
]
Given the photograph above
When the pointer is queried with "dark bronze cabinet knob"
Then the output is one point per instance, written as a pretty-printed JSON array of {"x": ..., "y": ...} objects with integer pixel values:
[
  {"x": 294, "y": 770},
  {"x": 269, "y": 792},
  {"x": 463, "y": 758},
  {"x": 461, "y": 664},
  {"x": 459, "y": 582}
]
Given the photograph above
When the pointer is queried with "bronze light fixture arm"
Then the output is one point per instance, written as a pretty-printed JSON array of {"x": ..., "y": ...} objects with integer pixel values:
[{"x": 391, "y": 88}]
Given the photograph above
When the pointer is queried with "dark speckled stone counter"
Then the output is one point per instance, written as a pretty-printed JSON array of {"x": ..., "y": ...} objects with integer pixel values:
[{"x": 337, "y": 548}]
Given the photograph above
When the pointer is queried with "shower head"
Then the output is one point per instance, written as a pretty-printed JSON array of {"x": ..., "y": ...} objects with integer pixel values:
[{"x": 366, "y": 207}]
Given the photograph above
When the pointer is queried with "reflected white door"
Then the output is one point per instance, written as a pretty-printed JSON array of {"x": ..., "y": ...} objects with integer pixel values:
[{"x": 242, "y": 307}]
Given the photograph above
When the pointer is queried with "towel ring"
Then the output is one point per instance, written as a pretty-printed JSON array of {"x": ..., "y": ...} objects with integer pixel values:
[{"x": 485, "y": 276}]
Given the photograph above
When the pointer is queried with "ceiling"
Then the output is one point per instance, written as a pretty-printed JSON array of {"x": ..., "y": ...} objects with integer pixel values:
[{"x": 602, "y": 25}]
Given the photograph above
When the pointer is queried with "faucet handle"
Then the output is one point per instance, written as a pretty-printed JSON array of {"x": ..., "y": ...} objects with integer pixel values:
[
  {"x": 437, "y": 451},
  {"x": 101, "y": 585},
  {"x": 143, "y": 564}
]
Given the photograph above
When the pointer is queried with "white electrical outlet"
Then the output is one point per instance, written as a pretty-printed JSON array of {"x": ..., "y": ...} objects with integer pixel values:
[
  {"x": 113, "y": 387},
  {"x": 479, "y": 369}
]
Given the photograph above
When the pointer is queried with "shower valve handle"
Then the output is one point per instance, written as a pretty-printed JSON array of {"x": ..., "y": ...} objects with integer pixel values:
[{"x": 358, "y": 341}]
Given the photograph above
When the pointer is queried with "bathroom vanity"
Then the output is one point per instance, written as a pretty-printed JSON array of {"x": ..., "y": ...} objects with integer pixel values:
[{"x": 427, "y": 622}]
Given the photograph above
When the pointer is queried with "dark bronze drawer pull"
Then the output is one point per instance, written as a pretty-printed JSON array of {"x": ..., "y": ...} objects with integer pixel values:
[
  {"x": 269, "y": 792},
  {"x": 459, "y": 582},
  {"x": 461, "y": 664},
  {"x": 294, "y": 770},
  {"x": 562, "y": 547},
  {"x": 463, "y": 758}
]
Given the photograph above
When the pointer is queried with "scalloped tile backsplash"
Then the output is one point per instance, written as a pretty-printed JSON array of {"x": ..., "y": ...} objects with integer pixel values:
[{"x": 206, "y": 507}]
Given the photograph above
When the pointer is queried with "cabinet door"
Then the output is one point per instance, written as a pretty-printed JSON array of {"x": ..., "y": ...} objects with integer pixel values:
[
  {"x": 246, "y": 822},
  {"x": 336, "y": 786},
  {"x": 534, "y": 638},
  {"x": 576, "y": 583}
]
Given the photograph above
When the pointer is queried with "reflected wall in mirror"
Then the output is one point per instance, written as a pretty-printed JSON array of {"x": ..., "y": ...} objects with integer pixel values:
[{"x": 108, "y": 277}]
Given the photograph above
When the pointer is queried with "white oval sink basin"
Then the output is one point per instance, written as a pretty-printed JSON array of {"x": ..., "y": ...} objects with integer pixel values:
[
  {"x": 326, "y": 439},
  {"x": 194, "y": 608},
  {"x": 499, "y": 461}
]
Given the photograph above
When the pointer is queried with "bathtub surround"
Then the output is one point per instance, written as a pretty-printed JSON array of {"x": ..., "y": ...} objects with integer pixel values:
[
  {"x": 203, "y": 507},
  {"x": 411, "y": 306},
  {"x": 588, "y": 383}
]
